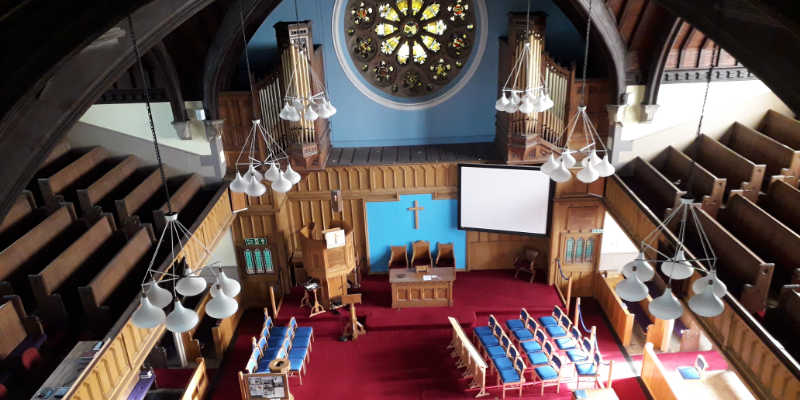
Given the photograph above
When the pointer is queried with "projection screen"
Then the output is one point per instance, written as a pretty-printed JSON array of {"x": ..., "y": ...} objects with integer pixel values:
[{"x": 501, "y": 198}]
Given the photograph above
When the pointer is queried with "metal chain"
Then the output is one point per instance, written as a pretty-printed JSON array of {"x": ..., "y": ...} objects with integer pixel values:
[
  {"x": 586, "y": 55},
  {"x": 149, "y": 112},
  {"x": 247, "y": 61}
]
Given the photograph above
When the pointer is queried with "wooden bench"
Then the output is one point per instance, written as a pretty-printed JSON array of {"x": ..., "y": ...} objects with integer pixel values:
[
  {"x": 96, "y": 296},
  {"x": 129, "y": 205},
  {"x": 45, "y": 284},
  {"x": 782, "y": 201},
  {"x": 783, "y": 321},
  {"x": 52, "y": 186},
  {"x": 779, "y": 158},
  {"x": 23, "y": 207},
  {"x": 660, "y": 195},
  {"x": 88, "y": 197},
  {"x": 682, "y": 172},
  {"x": 767, "y": 237},
  {"x": 179, "y": 199},
  {"x": 29, "y": 244},
  {"x": 722, "y": 161},
  {"x": 19, "y": 329},
  {"x": 63, "y": 147},
  {"x": 781, "y": 128},
  {"x": 198, "y": 384},
  {"x": 748, "y": 277}
]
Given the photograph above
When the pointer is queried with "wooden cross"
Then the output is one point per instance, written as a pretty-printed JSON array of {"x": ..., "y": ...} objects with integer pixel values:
[{"x": 416, "y": 209}]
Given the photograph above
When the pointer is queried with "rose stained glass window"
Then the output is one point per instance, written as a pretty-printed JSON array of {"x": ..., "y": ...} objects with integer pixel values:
[{"x": 410, "y": 48}]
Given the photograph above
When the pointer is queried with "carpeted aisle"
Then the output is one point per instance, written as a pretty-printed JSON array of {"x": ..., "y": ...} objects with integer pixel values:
[{"x": 404, "y": 355}]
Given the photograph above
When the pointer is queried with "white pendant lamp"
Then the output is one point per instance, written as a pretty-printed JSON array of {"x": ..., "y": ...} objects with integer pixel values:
[
  {"x": 147, "y": 315},
  {"x": 550, "y": 165},
  {"x": 511, "y": 107},
  {"x": 631, "y": 289},
  {"x": 282, "y": 185},
  {"x": 220, "y": 306},
  {"x": 717, "y": 286},
  {"x": 677, "y": 267},
  {"x": 561, "y": 173},
  {"x": 568, "y": 159},
  {"x": 255, "y": 188},
  {"x": 158, "y": 296},
  {"x": 545, "y": 102},
  {"x": 231, "y": 287},
  {"x": 666, "y": 306},
  {"x": 273, "y": 173},
  {"x": 604, "y": 168},
  {"x": 515, "y": 99},
  {"x": 593, "y": 158},
  {"x": 309, "y": 114},
  {"x": 707, "y": 304},
  {"x": 291, "y": 175},
  {"x": 190, "y": 284},
  {"x": 252, "y": 171},
  {"x": 181, "y": 319},
  {"x": 501, "y": 103},
  {"x": 588, "y": 174},
  {"x": 238, "y": 184},
  {"x": 330, "y": 110},
  {"x": 640, "y": 268}
]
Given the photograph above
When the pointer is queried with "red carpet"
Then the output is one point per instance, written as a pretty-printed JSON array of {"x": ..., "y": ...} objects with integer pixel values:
[{"x": 404, "y": 355}]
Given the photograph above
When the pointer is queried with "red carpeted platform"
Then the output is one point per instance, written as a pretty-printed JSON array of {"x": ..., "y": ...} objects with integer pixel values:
[{"x": 404, "y": 355}]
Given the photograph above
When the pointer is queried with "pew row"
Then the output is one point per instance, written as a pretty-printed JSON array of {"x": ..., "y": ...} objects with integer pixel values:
[
  {"x": 129, "y": 205},
  {"x": 784, "y": 319},
  {"x": 657, "y": 192},
  {"x": 179, "y": 199},
  {"x": 767, "y": 237},
  {"x": 45, "y": 284},
  {"x": 197, "y": 387},
  {"x": 23, "y": 206},
  {"x": 60, "y": 149},
  {"x": 615, "y": 309},
  {"x": 91, "y": 195},
  {"x": 50, "y": 187},
  {"x": 757, "y": 147},
  {"x": 782, "y": 201},
  {"x": 723, "y": 162},
  {"x": 691, "y": 177},
  {"x": 96, "y": 297},
  {"x": 20, "y": 330},
  {"x": 781, "y": 128}
]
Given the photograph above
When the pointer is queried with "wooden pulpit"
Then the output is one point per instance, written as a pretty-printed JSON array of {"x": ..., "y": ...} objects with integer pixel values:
[{"x": 329, "y": 265}]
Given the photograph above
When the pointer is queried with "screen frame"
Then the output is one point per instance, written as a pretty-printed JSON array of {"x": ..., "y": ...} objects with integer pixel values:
[{"x": 551, "y": 197}]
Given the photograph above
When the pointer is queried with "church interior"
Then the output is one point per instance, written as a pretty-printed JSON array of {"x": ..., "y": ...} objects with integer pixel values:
[{"x": 400, "y": 199}]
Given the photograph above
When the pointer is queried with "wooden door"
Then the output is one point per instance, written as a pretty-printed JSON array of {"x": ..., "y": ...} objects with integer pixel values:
[{"x": 579, "y": 253}]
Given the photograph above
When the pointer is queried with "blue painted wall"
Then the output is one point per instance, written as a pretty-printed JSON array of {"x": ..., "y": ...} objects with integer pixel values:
[
  {"x": 391, "y": 224},
  {"x": 467, "y": 117}
]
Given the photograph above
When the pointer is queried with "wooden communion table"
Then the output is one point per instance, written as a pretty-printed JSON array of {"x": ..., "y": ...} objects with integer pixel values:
[{"x": 431, "y": 289}]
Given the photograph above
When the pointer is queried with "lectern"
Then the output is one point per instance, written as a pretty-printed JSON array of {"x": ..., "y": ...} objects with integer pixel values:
[{"x": 329, "y": 265}]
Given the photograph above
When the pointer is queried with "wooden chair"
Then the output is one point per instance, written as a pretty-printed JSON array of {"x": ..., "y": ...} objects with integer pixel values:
[
  {"x": 445, "y": 255},
  {"x": 549, "y": 375},
  {"x": 398, "y": 257},
  {"x": 421, "y": 256},
  {"x": 590, "y": 371},
  {"x": 512, "y": 378},
  {"x": 526, "y": 262}
]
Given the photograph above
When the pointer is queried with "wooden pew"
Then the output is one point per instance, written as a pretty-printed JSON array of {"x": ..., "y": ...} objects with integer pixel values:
[
  {"x": 46, "y": 283},
  {"x": 767, "y": 237},
  {"x": 88, "y": 197},
  {"x": 23, "y": 207},
  {"x": 191, "y": 343},
  {"x": 107, "y": 283},
  {"x": 782, "y": 201},
  {"x": 20, "y": 331},
  {"x": 28, "y": 245},
  {"x": 784, "y": 320},
  {"x": 748, "y": 277},
  {"x": 197, "y": 387},
  {"x": 179, "y": 199},
  {"x": 655, "y": 376},
  {"x": 706, "y": 187},
  {"x": 779, "y": 158},
  {"x": 660, "y": 195},
  {"x": 50, "y": 187},
  {"x": 63, "y": 147},
  {"x": 129, "y": 205},
  {"x": 781, "y": 128},
  {"x": 722, "y": 161},
  {"x": 617, "y": 312}
]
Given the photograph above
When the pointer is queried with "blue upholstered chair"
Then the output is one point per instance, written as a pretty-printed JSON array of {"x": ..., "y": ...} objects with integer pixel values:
[
  {"x": 252, "y": 362},
  {"x": 589, "y": 371},
  {"x": 549, "y": 375},
  {"x": 529, "y": 346},
  {"x": 560, "y": 329},
  {"x": 518, "y": 323},
  {"x": 696, "y": 371},
  {"x": 489, "y": 341},
  {"x": 541, "y": 357},
  {"x": 484, "y": 330},
  {"x": 505, "y": 361},
  {"x": 518, "y": 327},
  {"x": 581, "y": 353},
  {"x": 571, "y": 341},
  {"x": 552, "y": 320},
  {"x": 512, "y": 378}
]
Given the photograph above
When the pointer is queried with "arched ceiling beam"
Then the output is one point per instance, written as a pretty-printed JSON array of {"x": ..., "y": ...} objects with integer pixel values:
[
  {"x": 659, "y": 61},
  {"x": 42, "y": 117},
  {"x": 227, "y": 48}
]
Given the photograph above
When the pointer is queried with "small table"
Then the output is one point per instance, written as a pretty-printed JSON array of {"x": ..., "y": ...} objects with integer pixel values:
[{"x": 431, "y": 289}]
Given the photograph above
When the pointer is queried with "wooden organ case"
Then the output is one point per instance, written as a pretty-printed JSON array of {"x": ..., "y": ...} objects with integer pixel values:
[
  {"x": 531, "y": 138},
  {"x": 306, "y": 142},
  {"x": 330, "y": 266}
]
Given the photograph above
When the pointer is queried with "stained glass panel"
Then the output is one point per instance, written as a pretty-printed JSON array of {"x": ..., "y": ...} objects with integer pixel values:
[
  {"x": 579, "y": 251},
  {"x": 431, "y": 43},
  {"x": 388, "y": 13},
  {"x": 436, "y": 27},
  {"x": 587, "y": 253},
  {"x": 385, "y": 29},
  {"x": 402, "y": 6},
  {"x": 416, "y": 5},
  {"x": 419, "y": 53},
  {"x": 568, "y": 249},
  {"x": 268, "y": 266},
  {"x": 388, "y": 45},
  {"x": 403, "y": 53},
  {"x": 430, "y": 11}
]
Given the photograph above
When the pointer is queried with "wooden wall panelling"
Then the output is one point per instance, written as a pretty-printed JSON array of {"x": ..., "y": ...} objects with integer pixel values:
[
  {"x": 569, "y": 217},
  {"x": 198, "y": 383},
  {"x": 616, "y": 310},
  {"x": 497, "y": 251},
  {"x": 654, "y": 376}
]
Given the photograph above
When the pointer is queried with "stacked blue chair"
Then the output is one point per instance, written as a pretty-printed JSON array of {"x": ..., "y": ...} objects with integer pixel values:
[
  {"x": 549, "y": 375},
  {"x": 552, "y": 320},
  {"x": 535, "y": 344},
  {"x": 518, "y": 327},
  {"x": 541, "y": 357},
  {"x": 571, "y": 341},
  {"x": 590, "y": 371},
  {"x": 512, "y": 378}
]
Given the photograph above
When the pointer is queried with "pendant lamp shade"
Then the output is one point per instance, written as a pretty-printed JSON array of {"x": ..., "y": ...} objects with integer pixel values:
[
  {"x": 238, "y": 184},
  {"x": 181, "y": 319},
  {"x": 309, "y": 114},
  {"x": 717, "y": 286},
  {"x": 158, "y": 296},
  {"x": 291, "y": 175},
  {"x": 273, "y": 173},
  {"x": 545, "y": 102},
  {"x": 289, "y": 113},
  {"x": 706, "y": 304},
  {"x": 220, "y": 306},
  {"x": 604, "y": 168},
  {"x": 231, "y": 287},
  {"x": 515, "y": 99},
  {"x": 640, "y": 268},
  {"x": 252, "y": 171},
  {"x": 561, "y": 174},
  {"x": 190, "y": 284},
  {"x": 526, "y": 106},
  {"x": 147, "y": 315},
  {"x": 511, "y": 107},
  {"x": 593, "y": 158},
  {"x": 588, "y": 174},
  {"x": 330, "y": 110},
  {"x": 568, "y": 159},
  {"x": 282, "y": 185},
  {"x": 666, "y": 306},
  {"x": 255, "y": 188},
  {"x": 631, "y": 289},
  {"x": 550, "y": 165},
  {"x": 677, "y": 267},
  {"x": 501, "y": 103}
]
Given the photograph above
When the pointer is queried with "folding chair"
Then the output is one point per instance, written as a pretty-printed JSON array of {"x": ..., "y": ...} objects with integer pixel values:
[
  {"x": 549, "y": 375},
  {"x": 696, "y": 371}
]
